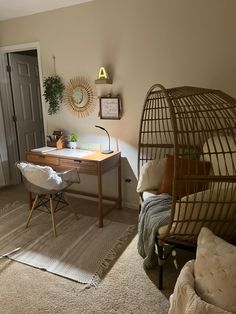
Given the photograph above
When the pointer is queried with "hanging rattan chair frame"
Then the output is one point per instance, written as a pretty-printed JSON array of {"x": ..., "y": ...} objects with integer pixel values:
[{"x": 191, "y": 123}]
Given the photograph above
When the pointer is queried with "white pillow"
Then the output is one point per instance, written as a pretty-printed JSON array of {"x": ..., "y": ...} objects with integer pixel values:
[
  {"x": 215, "y": 271},
  {"x": 151, "y": 175},
  {"x": 184, "y": 299},
  {"x": 221, "y": 152},
  {"x": 42, "y": 176}
]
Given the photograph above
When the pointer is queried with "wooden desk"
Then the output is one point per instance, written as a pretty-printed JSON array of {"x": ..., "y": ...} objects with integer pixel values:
[{"x": 94, "y": 163}]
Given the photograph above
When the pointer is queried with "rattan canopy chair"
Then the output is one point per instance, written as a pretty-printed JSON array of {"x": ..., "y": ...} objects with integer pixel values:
[
  {"x": 187, "y": 150},
  {"x": 49, "y": 188}
]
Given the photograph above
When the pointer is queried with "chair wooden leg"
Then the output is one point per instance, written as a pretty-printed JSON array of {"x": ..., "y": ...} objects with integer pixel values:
[
  {"x": 71, "y": 207},
  {"x": 31, "y": 211},
  {"x": 30, "y": 200},
  {"x": 53, "y": 216}
]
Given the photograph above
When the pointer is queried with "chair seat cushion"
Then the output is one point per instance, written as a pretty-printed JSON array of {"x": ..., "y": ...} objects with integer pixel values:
[
  {"x": 42, "y": 176},
  {"x": 147, "y": 194},
  {"x": 209, "y": 205}
]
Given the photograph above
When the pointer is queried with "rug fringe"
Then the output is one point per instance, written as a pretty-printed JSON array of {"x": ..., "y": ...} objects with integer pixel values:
[{"x": 111, "y": 255}]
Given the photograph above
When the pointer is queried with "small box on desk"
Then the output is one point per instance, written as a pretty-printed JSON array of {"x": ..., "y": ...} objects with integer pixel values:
[{"x": 56, "y": 140}]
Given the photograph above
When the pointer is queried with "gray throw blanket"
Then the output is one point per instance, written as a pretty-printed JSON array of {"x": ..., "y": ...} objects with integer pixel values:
[{"x": 155, "y": 212}]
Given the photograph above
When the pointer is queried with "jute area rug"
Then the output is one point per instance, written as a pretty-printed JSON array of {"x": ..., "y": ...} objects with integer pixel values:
[{"x": 81, "y": 251}]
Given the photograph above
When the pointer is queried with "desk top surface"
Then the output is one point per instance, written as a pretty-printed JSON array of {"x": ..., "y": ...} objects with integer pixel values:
[{"x": 76, "y": 154}]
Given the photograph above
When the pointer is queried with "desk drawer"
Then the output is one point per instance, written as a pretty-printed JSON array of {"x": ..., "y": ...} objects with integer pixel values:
[
  {"x": 83, "y": 165},
  {"x": 41, "y": 159}
]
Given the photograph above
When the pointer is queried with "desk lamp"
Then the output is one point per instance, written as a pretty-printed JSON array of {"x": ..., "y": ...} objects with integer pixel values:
[{"x": 107, "y": 151}]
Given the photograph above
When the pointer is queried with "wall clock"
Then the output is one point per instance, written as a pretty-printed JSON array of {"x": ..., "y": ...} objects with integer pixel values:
[{"x": 79, "y": 96}]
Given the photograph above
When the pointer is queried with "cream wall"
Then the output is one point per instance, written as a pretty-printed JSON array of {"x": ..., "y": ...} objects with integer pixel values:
[{"x": 172, "y": 42}]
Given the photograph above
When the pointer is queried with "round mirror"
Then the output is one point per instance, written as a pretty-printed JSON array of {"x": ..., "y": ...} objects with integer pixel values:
[{"x": 79, "y": 96}]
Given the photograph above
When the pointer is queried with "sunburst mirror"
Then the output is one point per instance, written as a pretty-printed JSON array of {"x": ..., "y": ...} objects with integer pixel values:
[{"x": 79, "y": 96}]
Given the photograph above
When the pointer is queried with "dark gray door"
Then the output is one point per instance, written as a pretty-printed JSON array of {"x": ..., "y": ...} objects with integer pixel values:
[{"x": 27, "y": 102}]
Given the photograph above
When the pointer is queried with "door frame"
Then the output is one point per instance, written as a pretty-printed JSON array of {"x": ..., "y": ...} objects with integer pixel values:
[{"x": 5, "y": 93}]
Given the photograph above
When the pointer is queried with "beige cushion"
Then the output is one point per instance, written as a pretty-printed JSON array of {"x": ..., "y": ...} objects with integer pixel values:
[
  {"x": 222, "y": 155},
  {"x": 151, "y": 175},
  {"x": 205, "y": 205},
  {"x": 147, "y": 194},
  {"x": 184, "y": 299},
  {"x": 162, "y": 230},
  {"x": 42, "y": 176},
  {"x": 215, "y": 271}
]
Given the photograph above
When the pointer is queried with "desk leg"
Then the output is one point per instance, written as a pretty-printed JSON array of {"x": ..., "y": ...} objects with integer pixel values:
[
  {"x": 119, "y": 203},
  {"x": 100, "y": 205}
]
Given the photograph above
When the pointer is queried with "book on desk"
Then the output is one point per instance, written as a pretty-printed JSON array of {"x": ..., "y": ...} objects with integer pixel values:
[
  {"x": 44, "y": 149},
  {"x": 64, "y": 152}
]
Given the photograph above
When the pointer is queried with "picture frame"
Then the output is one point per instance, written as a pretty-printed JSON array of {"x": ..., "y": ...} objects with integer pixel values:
[{"x": 110, "y": 108}]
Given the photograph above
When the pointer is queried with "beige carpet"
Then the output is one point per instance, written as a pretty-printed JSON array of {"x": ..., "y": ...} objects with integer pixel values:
[
  {"x": 125, "y": 289},
  {"x": 81, "y": 251}
]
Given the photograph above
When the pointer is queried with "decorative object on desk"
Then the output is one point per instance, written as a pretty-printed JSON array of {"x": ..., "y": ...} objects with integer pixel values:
[
  {"x": 73, "y": 138},
  {"x": 82, "y": 252},
  {"x": 110, "y": 108},
  {"x": 53, "y": 93},
  {"x": 56, "y": 140},
  {"x": 107, "y": 151},
  {"x": 79, "y": 96},
  {"x": 103, "y": 77}
]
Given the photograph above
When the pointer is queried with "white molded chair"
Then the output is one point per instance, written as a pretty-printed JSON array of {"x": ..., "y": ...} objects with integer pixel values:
[{"x": 49, "y": 188}]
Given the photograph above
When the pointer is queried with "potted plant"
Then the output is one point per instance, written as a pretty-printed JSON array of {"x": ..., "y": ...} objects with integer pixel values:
[
  {"x": 53, "y": 92},
  {"x": 73, "y": 139}
]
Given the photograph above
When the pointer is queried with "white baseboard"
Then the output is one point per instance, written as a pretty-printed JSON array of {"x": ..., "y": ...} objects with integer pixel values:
[{"x": 130, "y": 205}]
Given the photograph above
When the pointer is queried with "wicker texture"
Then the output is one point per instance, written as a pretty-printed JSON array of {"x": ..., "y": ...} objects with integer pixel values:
[{"x": 200, "y": 124}]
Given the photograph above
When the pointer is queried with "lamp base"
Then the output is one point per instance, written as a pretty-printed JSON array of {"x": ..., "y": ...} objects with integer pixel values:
[{"x": 107, "y": 151}]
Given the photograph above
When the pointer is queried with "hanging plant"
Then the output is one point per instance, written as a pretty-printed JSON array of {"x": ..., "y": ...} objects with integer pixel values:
[{"x": 53, "y": 93}]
